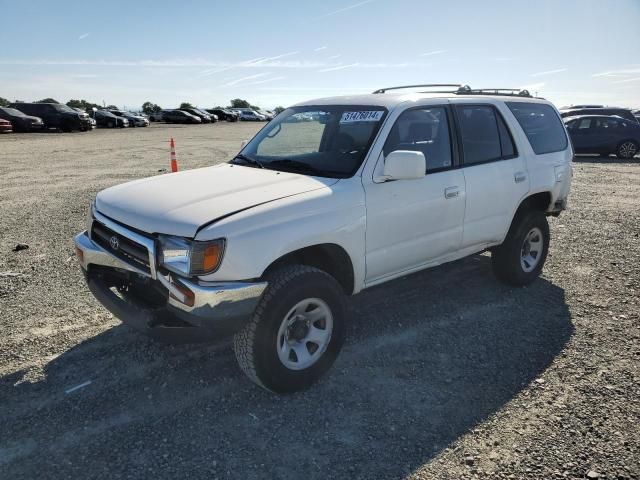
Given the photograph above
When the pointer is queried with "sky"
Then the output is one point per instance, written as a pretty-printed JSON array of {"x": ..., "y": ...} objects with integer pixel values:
[{"x": 279, "y": 52}]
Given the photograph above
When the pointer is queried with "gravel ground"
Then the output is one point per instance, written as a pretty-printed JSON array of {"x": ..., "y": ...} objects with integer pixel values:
[{"x": 445, "y": 374}]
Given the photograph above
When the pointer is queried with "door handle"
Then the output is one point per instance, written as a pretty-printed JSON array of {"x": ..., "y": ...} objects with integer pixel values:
[
  {"x": 519, "y": 177},
  {"x": 451, "y": 192}
]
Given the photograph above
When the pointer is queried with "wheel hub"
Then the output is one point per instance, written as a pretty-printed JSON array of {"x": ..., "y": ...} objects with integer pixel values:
[{"x": 298, "y": 329}]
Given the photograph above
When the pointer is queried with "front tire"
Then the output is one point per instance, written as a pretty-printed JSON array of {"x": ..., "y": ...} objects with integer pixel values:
[
  {"x": 296, "y": 332},
  {"x": 520, "y": 258}
]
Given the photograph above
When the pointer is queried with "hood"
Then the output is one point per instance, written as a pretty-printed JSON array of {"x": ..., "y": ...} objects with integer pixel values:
[{"x": 181, "y": 203}]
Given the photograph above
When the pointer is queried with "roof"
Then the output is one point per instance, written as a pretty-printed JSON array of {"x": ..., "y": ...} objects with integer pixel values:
[
  {"x": 602, "y": 109},
  {"x": 391, "y": 100},
  {"x": 590, "y": 115}
]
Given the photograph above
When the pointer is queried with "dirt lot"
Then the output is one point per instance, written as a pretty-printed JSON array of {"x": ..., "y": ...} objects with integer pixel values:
[{"x": 445, "y": 374}]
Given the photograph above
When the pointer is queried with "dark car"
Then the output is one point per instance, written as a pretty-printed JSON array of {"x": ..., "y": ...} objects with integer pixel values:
[
  {"x": 202, "y": 115},
  {"x": 20, "y": 121},
  {"x": 56, "y": 115},
  {"x": 134, "y": 120},
  {"x": 620, "y": 112},
  {"x": 222, "y": 114},
  {"x": 104, "y": 118},
  {"x": 586, "y": 105},
  {"x": 92, "y": 120},
  {"x": 179, "y": 116},
  {"x": 5, "y": 126},
  {"x": 604, "y": 135}
]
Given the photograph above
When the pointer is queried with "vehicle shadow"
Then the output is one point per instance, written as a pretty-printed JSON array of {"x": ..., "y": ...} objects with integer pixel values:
[
  {"x": 610, "y": 159},
  {"x": 428, "y": 357}
]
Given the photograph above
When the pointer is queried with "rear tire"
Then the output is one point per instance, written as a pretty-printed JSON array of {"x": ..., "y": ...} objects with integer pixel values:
[
  {"x": 627, "y": 150},
  {"x": 520, "y": 258},
  {"x": 296, "y": 332}
]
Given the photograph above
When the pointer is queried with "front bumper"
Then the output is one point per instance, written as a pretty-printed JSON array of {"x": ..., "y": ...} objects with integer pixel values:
[{"x": 214, "y": 309}]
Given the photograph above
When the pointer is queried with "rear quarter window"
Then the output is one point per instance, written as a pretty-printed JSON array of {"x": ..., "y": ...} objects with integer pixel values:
[{"x": 541, "y": 125}]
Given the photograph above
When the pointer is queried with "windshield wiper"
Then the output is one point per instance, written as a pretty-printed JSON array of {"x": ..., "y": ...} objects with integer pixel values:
[
  {"x": 249, "y": 160},
  {"x": 297, "y": 166}
]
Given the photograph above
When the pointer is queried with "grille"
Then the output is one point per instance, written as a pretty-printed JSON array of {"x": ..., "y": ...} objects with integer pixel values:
[{"x": 131, "y": 252}]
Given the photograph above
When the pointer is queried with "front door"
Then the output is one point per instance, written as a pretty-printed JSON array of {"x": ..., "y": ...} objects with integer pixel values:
[{"x": 414, "y": 222}]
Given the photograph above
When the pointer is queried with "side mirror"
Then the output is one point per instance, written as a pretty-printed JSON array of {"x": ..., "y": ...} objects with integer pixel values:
[{"x": 404, "y": 165}]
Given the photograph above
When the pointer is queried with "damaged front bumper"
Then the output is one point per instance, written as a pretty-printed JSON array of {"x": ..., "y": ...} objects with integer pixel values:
[{"x": 166, "y": 307}]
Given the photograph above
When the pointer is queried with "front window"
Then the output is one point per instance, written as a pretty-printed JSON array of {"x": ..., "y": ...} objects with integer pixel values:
[
  {"x": 423, "y": 130},
  {"x": 12, "y": 111},
  {"x": 327, "y": 141}
]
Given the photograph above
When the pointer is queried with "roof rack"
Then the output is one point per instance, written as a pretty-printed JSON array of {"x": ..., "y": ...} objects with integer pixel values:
[
  {"x": 457, "y": 86},
  {"x": 460, "y": 89},
  {"x": 508, "y": 92}
]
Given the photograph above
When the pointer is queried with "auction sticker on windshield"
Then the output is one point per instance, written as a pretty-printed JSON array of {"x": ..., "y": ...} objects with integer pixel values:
[{"x": 362, "y": 116}]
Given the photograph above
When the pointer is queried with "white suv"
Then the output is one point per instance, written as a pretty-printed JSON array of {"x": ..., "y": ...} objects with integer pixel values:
[{"x": 333, "y": 196}]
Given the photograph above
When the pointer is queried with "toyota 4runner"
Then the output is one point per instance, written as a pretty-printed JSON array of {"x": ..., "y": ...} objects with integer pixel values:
[{"x": 331, "y": 197}]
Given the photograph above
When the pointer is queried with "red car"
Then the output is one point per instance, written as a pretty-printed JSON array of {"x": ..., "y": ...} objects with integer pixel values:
[{"x": 5, "y": 126}]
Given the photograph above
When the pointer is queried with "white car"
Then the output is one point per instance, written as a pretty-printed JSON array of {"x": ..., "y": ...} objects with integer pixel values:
[
  {"x": 249, "y": 115},
  {"x": 268, "y": 246}
]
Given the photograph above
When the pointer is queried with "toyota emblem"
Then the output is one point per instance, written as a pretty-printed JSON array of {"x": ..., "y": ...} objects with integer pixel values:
[{"x": 115, "y": 244}]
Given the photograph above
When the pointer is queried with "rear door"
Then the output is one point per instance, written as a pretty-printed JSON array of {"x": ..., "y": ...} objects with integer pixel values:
[{"x": 495, "y": 172}]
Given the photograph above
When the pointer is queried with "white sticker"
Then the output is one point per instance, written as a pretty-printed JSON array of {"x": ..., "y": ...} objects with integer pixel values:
[{"x": 363, "y": 116}]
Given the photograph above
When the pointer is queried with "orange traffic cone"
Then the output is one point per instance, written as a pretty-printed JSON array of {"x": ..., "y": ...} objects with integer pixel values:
[{"x": 174, "y": 162}]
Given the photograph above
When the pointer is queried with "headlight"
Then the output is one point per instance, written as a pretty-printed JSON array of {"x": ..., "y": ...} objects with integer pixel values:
[{"x": 188, "y": 257}]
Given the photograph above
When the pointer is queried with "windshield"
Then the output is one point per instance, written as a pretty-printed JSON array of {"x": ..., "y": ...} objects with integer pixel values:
[
  {"x": 13, "y": 111},
  {"x": 63, "y": 108},
  {"x": 329, "y": 141}
]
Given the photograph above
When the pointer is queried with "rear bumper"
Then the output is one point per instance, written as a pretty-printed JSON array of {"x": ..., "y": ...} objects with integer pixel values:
[{"x": 217, "y": 310}]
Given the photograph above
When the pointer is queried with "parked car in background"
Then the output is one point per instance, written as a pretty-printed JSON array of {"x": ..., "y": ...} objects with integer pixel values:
[
  {"x": 251, "y": 116},
  {"x": 201, "y": 114},
  {"x": 105, "y": 118},
  {"x": 20, "y": 121},
  {"x": 156, "y": 116},
  {"x": 266, "y": 114},
  {"x": 180, "y": 116},
  {"x": 91, "y": 119},
  {"x": 575, "y": 107},
  {"x": 5, "y": 126},
  {"x": 604, "y": 135},
  {"x": 223, "y": 114},
  {"x": 56, "y": 115},
  {"x": 618, "y": 111},
  {"x": 134, "y": 120}
]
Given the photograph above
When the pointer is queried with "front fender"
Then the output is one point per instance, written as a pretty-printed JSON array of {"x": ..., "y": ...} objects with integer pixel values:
[{"x": 261, "y": 235}]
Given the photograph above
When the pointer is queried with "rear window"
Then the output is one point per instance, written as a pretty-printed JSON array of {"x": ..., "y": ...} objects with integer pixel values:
[{"x": 541, "y": 125}]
